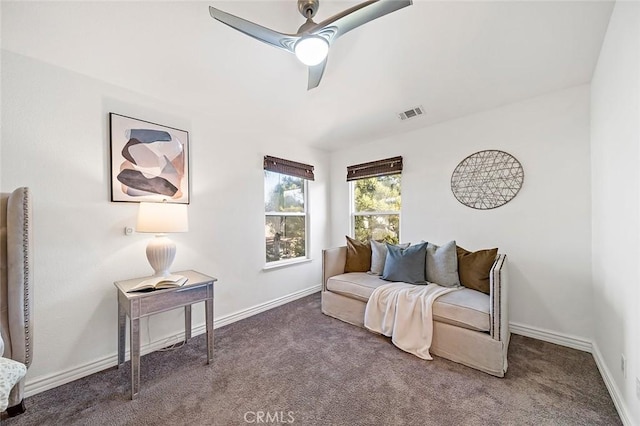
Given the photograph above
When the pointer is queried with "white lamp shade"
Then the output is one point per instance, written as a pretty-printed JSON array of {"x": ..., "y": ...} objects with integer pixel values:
[
  {"x": 311, "y": 50},
  {"x": 160, "y": 218}
]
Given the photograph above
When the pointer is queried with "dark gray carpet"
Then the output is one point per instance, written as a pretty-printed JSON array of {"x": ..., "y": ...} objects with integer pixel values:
[{"x": 296, "y": 365}]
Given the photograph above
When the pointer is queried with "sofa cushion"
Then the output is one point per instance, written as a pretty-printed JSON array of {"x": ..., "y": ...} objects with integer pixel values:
[
  {"x": 357, "y": 285},
  {"x": 405, "y": 265},
  {"x": 474, "y": 268},
  {"x": 379, "y": 256},
  {"x": 442, "y": 264},
  {"x": 358, "y": 256},
  {"x": 464, "y": 308}
]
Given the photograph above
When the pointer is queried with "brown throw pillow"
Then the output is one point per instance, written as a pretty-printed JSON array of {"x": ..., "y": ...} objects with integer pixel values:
[
  {"x": 358, "y": 256},
  {"x": 474, "y": 268}
]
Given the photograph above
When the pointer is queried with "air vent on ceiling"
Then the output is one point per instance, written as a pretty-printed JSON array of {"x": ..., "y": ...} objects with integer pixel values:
[{"x": 411, "y": 113}]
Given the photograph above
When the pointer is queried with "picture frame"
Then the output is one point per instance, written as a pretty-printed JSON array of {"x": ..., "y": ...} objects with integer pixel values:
[{"x": 149, "y": 161}]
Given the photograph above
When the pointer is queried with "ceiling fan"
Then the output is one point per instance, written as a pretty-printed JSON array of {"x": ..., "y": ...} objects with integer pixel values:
[{"x": 312, "y": 41}]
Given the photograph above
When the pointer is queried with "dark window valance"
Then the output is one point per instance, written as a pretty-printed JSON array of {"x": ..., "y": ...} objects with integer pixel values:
[
  {"x": 288, "y": 167},
  {"x": 389, "y": 166}
]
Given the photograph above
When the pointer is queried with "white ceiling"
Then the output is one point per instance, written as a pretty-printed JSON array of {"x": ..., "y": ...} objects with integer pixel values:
[{"x": 453, "y": 58}]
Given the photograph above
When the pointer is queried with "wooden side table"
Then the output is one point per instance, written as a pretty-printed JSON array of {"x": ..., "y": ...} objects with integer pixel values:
[{"x": 199, "y": 288}]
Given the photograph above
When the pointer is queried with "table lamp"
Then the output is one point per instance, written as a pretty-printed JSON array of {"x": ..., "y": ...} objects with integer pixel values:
[{"x": 160, "y": 219}]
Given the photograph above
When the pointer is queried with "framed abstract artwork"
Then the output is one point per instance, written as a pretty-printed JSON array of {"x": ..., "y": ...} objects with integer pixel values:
[{"x": 149, "y": 162}]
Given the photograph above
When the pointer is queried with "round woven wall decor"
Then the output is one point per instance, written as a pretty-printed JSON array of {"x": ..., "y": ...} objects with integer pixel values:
[{"x": 487, "y": 179}]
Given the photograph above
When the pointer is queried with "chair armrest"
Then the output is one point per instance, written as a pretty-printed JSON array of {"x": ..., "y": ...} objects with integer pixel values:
[
  {"x": 498, "y": 308},
  {"x": 333, "y": 261}
]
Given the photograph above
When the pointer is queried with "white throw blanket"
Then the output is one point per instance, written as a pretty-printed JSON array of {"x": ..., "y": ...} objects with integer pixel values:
[{"x": 404, "y": 312}]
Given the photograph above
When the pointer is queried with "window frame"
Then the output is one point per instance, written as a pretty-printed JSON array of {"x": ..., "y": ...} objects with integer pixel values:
[
  {"x": 353, "y": 213},
  {"x": 305, "y": 214}
]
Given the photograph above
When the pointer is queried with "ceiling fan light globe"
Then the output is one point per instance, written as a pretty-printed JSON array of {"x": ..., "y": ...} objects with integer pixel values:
[{"x": 311, "y": 50}]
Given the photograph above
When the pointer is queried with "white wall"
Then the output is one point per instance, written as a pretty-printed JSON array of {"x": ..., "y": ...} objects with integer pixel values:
[
  {"x": 545, "y": 231},
  {"x": 615, "y": 134},
  {"x": 55, "y": 139}
]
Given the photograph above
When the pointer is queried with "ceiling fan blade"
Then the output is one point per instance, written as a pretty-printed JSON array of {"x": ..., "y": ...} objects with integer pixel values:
[
  {"x": 315, "y": 74},
  {"x": 357, "y": 15},
  {"x": 263, "y": 34}
]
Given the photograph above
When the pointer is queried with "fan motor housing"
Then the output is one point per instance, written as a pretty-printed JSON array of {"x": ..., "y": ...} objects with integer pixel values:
[{"x": 308, "y": 8}]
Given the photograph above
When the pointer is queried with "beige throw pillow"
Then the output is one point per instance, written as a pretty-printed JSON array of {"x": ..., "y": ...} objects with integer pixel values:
[{"x": 442, "y": 264}]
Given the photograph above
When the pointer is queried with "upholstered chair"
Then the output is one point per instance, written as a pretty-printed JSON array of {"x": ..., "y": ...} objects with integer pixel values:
[{"x": 16, "y": 277}]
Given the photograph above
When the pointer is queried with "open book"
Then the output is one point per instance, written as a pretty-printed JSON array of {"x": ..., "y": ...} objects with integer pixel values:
[{"x": 156, "y": 283}]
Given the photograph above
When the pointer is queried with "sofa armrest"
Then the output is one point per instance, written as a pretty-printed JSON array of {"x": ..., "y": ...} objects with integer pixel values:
[
  {"x": 333, "y": 261},
  {"x": 498, "y": 309}
]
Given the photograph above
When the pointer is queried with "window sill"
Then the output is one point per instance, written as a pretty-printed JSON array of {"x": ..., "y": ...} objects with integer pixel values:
[{"x": 285, "y": 263}]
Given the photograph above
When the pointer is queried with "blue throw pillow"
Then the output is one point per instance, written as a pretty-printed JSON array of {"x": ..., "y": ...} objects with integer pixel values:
[
  {"x": 379, "y": 256},
  {"x": 406, "y": 264}
]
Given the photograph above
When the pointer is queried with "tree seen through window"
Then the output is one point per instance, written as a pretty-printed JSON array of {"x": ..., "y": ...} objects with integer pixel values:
[
  {"x": 285, "y": 217},
  {"x": 376, "y": 208}
]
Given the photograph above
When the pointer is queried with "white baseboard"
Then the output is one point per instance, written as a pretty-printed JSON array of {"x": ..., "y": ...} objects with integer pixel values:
[
  {"x": 246, "y": 313},
  {"x": 616, "y": 396},
  {"x": 43, "y": 383},
  {"x": 551, "y": 336}
]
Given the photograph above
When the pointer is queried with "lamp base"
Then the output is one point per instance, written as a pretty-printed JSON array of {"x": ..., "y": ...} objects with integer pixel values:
[{"x": 160, "y": 252}]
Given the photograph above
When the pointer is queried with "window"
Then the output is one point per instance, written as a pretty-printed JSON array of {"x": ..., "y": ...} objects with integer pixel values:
[
  {"x": 376, "y": 200},
  {"x": 285, "y": 209}
]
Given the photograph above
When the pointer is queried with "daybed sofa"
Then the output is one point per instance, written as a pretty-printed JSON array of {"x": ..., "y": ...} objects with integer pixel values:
[
  {"x": 469, "y": 327},
  {"x": 16, "y": 275}
]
